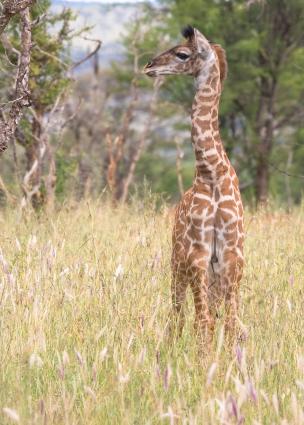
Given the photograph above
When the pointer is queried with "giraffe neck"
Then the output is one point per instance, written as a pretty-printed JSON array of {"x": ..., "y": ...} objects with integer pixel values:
[{"x": 208, "y": 148}]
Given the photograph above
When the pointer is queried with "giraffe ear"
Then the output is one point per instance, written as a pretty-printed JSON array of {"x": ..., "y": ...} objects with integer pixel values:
[
  {"x": 188, "y": 32},
  {"x": 201, "y": 43}
]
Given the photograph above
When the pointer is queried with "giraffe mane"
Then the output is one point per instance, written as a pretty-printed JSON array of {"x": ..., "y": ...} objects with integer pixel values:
[{"x": 221, "y": 54}]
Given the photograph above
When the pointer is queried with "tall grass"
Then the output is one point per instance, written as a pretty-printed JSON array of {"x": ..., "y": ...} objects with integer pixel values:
[{"x": 84, "y": 299}]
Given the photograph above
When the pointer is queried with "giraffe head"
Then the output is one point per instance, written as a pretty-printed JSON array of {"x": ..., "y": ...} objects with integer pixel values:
[{"x": 196, "y": 56}]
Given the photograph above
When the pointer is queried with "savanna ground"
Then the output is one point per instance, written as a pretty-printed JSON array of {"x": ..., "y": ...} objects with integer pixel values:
[{"x": 85, "y": 296}]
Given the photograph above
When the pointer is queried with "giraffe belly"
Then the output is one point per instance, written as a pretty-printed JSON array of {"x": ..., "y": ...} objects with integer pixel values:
[
  {"x": 193, "y": 232},
  {"x": 207, "y": 230}
]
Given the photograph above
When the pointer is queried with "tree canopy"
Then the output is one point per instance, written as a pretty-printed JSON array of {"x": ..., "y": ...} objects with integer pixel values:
[{"x": 262, "y": 103}]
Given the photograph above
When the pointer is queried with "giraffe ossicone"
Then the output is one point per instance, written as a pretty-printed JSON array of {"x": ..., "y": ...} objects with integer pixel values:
[{"x": 208, "y": 230}]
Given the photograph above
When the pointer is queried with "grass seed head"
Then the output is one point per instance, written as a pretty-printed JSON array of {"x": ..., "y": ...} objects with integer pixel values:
[{"x": 11, "y": 414}]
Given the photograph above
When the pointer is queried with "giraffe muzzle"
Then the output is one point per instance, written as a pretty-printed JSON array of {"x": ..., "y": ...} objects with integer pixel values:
[{"x": 148, "y": 71}]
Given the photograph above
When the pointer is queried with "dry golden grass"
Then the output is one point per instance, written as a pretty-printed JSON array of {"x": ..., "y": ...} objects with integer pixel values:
[{"x": 84, "y": 300}]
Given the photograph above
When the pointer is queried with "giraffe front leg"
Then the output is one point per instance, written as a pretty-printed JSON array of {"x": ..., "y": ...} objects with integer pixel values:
[{"x": 204, "y": 322}]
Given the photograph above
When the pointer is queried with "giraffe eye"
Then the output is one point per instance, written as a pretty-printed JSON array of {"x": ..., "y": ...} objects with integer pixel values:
[{"x": 182, "y": 56}]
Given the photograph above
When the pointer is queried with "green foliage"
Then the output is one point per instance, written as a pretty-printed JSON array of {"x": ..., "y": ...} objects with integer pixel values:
[
  {"x": 65, "y": 167},
  {"x": 49, "y": 57},
  {"x": 265, "y": 46},
  {"x": 158, "y": 166}
]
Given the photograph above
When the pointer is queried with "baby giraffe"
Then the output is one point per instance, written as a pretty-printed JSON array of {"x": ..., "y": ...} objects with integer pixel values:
[{"x": 208, "y": 231}]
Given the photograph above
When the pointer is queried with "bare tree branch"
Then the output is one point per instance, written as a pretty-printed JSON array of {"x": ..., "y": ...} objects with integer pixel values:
[
  {"x": 295, "y": 115},
  {"x": 116, "y": 145},
  {"x": 90, "y": 55},
  {"x": 6, "y": 192},
  {"x": 8, "y": 47},
  {"x": 138, "y": 151},
  {"x": 46, "y": 157},
  {"x": 297, "y": 176},
  {"x": 65, "y": 65}
]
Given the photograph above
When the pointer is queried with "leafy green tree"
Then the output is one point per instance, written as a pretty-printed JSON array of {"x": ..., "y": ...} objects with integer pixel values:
[
  {"x": 262, "y": 104},
  {"x": 49, "y": 83}
]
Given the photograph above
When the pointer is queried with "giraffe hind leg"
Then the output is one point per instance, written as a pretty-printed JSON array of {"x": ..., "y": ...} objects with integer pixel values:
[
  {"x": 230, "y": 283},
  {"x": 204, "y": 322},
  {"x": 215, "y": 293}
]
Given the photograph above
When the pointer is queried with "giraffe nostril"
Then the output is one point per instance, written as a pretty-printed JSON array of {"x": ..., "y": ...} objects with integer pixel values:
[{"x": 149, "y": 64}]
